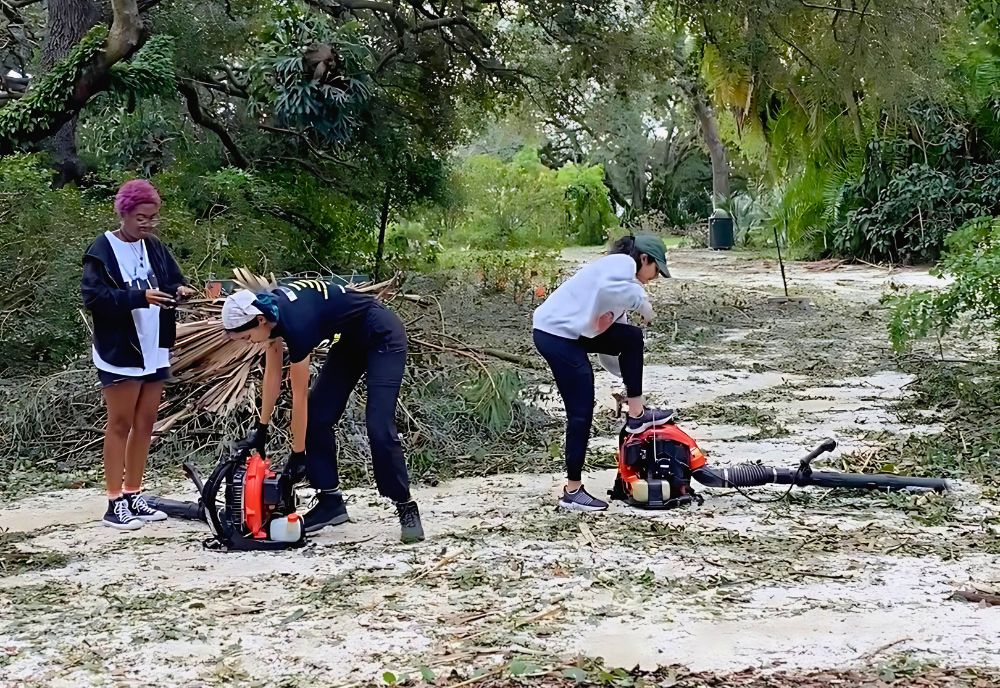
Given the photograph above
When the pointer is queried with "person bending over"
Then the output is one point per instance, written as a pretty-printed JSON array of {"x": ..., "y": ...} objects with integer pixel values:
[
  {"x": 130, "y": 285},
  {"x": 587, "y": 314},
  {"x": 366, "y": 339}
]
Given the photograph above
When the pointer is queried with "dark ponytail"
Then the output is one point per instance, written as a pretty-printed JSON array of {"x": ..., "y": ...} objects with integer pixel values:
[{"x": 626, "y": 246}]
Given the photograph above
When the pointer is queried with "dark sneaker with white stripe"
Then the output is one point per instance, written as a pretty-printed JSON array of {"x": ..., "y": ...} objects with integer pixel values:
[
  {"x": 329, "y": 510},
  {"x": 650, "y": 418},
  {"x": 581, "y": 500},
  {"x": 141, "y": 510},
  {"x": 409, "y": 520},
  {"x": 119, "y": 516}
]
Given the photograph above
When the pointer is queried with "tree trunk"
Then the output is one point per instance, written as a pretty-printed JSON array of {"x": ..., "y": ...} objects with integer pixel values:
[
  {"x": 852, "y": 110},
  {"x": 68, "y": 21},
  {"x": 716, "y": 149},
  {"x": 383, "y": 222},
  {"x": 616, "y": 196},
  {"x": 638, "y": 179}
]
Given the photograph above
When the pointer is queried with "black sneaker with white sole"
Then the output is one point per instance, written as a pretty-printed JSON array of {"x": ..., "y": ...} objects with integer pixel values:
[
  {"x": 412, "y": 530},
  {"x": 141, "y": 509},
  {"x": 119, "y": 516},
  {"x": 581, "y": 500},
  {"x": 650, "y": 418},
  {"x": 329, "y": 510}
]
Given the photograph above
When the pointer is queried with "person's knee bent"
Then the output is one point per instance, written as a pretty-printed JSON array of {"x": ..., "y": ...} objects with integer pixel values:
[{"x": 632, "y": 338}]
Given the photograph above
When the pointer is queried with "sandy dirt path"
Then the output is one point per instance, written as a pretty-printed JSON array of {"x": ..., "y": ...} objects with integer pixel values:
[{"x": 817, "y": 581}]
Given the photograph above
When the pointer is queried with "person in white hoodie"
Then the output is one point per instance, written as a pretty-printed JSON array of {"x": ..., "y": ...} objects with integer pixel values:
[{"x": 587, "y": 314}]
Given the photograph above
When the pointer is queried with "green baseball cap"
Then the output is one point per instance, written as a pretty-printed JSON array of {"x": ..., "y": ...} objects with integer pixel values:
[{"x": 653, "y": 247}]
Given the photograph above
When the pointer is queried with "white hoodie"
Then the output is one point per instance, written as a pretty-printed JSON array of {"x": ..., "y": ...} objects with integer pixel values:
[{"x": 607, "y": 284}]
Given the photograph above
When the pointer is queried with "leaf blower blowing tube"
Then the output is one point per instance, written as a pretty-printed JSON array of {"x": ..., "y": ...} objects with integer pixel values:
[
  {"x": 747, "y": 475},
  {"x": 173, "y": 508}
]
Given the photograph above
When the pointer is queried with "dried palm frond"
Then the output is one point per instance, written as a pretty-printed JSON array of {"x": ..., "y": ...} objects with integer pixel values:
[
  {"x": 255, "y": 283},
  {"x": 221, "y": 369}
]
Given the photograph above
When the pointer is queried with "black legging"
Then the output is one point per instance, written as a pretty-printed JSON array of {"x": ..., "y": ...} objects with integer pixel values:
[
  {"x": 575, "y": 379},
  {"x": 377, "y": 350}
]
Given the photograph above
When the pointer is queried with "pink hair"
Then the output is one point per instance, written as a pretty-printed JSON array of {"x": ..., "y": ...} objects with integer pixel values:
[{"x": 135, "y": 193}]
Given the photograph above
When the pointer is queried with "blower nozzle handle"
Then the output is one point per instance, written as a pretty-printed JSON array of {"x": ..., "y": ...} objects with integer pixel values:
[{"x": 827, "y": 445}]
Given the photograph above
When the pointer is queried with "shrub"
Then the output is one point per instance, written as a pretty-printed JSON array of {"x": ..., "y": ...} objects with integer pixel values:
[{"x": 972, "y": 259}]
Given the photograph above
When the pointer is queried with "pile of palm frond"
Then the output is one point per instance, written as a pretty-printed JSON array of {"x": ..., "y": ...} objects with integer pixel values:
[{"x": 219, "y": 369}]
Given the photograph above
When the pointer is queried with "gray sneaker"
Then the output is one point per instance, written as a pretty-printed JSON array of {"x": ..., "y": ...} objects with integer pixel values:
[
  {"x": 409, "y": 520},
  {"x": 581, "y": 500},
  {"x": 650, "y": 418}
]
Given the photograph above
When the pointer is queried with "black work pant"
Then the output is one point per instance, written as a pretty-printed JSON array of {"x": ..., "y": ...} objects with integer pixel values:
[
  {"x": 377, "y": 350},
  {"x": 575, "y": 379}
]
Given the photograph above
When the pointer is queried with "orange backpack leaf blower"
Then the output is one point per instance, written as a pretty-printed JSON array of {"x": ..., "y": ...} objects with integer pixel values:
[{"x": 258, "y": 505}]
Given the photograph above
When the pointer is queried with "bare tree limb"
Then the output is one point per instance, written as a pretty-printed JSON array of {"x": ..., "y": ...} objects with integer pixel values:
[
  {"x": 337, "y": 8},
  {"x": 212, "y": 84},
  {"x": 404, "y": 26},
  {"x": 440, "y": 22},
  {"x": 234, "y": 80},
  {"x": 831, "y": 8},
  {"x": 801, "y": 52},
  {"x": 857, "y": 37},
  {"x": 308, "y": 167},
  {"x": 125, "y": 32},
  {"x": 206, "y": 121}
]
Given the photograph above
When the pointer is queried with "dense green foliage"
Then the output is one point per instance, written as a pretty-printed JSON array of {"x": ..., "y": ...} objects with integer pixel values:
[
  {"x": 972, "y": 260},
  {"x": 878, "y": 152},
  {"x": 521, "y": 203},
  {"x": 36, "y": 109},
  {"x": 287, "y": 136}
]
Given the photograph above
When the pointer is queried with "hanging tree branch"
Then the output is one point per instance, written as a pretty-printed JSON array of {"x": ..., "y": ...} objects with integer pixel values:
[
  {"x": 455, "y": 29},
  {"x": 832, "y": 8},
  {"x": 206, "y": 121}
]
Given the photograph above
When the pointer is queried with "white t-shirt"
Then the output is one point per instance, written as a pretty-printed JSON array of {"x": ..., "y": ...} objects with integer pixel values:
[
  {"x": 606, "y": 285},
  {"x": 133, "y": 262}
]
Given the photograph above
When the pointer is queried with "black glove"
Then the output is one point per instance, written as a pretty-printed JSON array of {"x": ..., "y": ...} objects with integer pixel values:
[
  {"x": 296, "y": 467},
  {"x": 257, "y": 439}
]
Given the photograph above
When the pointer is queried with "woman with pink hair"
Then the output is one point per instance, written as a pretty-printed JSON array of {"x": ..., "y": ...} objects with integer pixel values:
[{"x": 130, "y": 285}]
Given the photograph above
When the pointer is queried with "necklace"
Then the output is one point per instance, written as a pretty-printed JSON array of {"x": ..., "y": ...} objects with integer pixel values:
[
  {"x": 139, "y": 251},
  {"x": 140, "y": 254}
]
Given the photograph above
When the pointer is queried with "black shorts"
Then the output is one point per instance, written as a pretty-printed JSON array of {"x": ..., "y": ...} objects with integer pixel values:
[{"x": 108, "y": 379}]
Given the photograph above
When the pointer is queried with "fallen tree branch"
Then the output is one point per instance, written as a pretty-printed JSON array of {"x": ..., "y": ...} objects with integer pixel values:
[
  {"x": 474, "y": 353},
  {"x": 976, "y": 597}
]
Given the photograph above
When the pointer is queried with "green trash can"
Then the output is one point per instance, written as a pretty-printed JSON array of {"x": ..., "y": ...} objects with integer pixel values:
[{"x": 720, "y": 231}]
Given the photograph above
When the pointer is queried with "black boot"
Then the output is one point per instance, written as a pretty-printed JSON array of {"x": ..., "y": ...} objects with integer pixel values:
[
  {"x": 409, "y": 519},
  {"x": 330, "y": 510}
]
